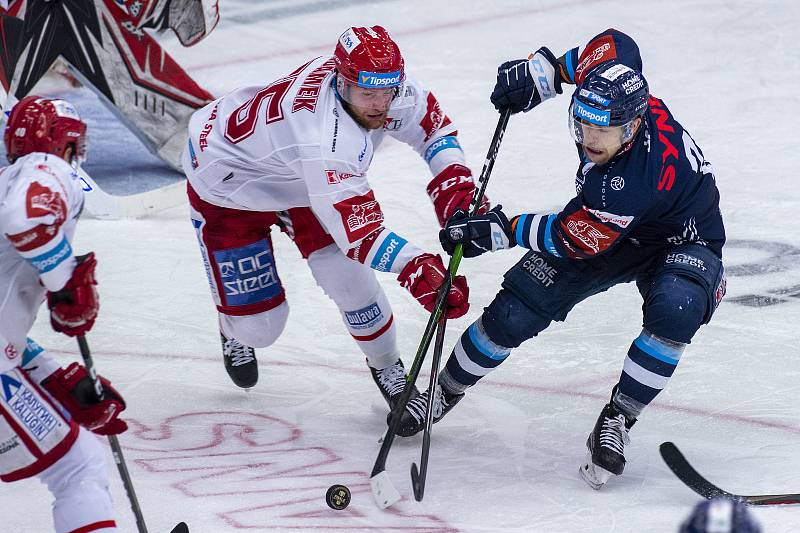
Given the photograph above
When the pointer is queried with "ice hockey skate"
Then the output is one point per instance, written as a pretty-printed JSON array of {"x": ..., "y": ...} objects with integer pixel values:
[
  {"x": 240, "y": 362},
  {"x": 606, "y": 447},
  {"x": 391, "y": 381},
  {"x": 412, "y": 421}
]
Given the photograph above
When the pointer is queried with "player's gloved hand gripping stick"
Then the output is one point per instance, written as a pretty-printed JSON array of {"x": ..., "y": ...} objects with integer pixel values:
[{"x": 382, "y": 489}]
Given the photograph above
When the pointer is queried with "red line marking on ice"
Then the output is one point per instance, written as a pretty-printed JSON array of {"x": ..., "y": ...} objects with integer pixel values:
[
  {"x": 493, "y": 382},
  {"x": 271, "y": 479},
  {"x": 328, "y": 47}
]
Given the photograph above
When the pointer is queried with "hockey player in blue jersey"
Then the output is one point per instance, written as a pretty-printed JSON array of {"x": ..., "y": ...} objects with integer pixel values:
[{"x": 646, "y": 211}]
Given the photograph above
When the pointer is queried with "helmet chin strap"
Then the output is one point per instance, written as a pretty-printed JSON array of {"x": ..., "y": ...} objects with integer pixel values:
[
  {"x": 629, "y": 132},
  {"x": 335, "y": 85}
]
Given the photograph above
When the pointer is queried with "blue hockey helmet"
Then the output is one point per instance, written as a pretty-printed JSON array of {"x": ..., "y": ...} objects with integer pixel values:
[
  {"x": 720, "y": 516},
  {"x": 612, "y": 94}
]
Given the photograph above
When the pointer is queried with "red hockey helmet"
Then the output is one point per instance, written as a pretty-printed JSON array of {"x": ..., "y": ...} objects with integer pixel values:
[
  {"x": 39, "y": 124},
  {"x": 369, "y": 58}
]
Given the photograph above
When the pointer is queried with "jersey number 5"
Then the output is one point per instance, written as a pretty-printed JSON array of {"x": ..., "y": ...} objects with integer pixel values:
[{"x": 241, "y": 123}]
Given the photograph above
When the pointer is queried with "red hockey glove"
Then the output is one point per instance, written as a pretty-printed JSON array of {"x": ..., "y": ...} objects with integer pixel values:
[
  {"x": 73, "y": 389},
  {"x": 452, "y": 189},
  {"x": 423, "y": 276},
  {"x": 74, "y": 308}
]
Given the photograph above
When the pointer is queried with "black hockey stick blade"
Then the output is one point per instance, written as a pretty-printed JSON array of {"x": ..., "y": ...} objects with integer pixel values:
[
  {"x": 180, "y": 528},
  {"x": 695, "y": 481},
  {"x": 417, "y": 483},
  {"x": 419, "y": 475}
]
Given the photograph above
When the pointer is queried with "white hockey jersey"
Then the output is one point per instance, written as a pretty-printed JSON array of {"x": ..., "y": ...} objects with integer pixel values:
[
  {"x": 40, "y": 200},
  {"x": 292, "y": 144}
]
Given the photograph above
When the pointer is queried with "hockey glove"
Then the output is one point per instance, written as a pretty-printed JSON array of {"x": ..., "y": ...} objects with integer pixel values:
[
  {"x": 522, "y": 84},
  {"x": 478, "y": 234},
  {"x": 451, "y": 190},
  {"x": 192, "y": 20},
  {"x": 73, "y": 309},
  {"x": 73, "y": 389},
  {"x": 423, "y": 276}
]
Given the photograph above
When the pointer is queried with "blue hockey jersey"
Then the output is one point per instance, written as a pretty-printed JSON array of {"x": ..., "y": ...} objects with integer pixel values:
[{"x": 660, "y": 191}]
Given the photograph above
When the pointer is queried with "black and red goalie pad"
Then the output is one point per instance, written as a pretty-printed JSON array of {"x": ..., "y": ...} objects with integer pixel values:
[{"x": 125, "y": 66}]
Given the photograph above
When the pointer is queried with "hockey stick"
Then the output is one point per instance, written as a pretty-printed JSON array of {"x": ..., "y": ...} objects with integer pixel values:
[
  {"x": 418, "y": 476},
  {"x": 100, "y": 204},
  {"x": 382, "y": 488},
  {"x": 112, "y": 439},
  {"x": 692, "y": 479}
]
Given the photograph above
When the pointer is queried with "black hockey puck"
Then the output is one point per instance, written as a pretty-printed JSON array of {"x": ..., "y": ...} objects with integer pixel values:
[{"x": 337, "y": 497}]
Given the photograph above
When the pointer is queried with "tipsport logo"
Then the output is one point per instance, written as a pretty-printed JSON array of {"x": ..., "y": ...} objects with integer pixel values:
[
  {"x": 590, "y": 114},
  {"x": 387, "y": 252},
  {"x": 378, "y": 80},
  {"x": 594, "y": 97},
  {"x": 50, "y": 260}
]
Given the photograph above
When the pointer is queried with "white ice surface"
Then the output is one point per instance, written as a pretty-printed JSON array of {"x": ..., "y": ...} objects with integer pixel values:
[{"x": 506, "y": 459}]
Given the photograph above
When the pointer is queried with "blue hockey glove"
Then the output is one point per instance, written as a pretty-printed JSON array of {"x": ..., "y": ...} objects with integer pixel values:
[
  {"x": 522, "y": 84},
  {"x": 482, "y": 233}
]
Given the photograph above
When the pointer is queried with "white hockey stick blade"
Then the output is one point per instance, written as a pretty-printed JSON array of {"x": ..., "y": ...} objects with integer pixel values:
[
  {"x": 100, "y": 204},
  {"x": 383, "y": 490}
]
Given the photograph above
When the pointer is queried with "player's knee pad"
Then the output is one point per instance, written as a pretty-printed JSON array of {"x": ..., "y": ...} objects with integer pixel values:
[
  {"x": 365, "y": 309},
  {"x": 84, "y": 463},
  {"x": 348, "y": 283},
  {"x": 79, "y": 484},
  {"x": 259, "y": 330},
  {"x": 675, "y": 307},
  {"x": 509, "y": 322}
]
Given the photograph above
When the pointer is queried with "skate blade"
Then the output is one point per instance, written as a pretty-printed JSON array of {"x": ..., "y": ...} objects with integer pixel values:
[{"x": 595, "y": 476}]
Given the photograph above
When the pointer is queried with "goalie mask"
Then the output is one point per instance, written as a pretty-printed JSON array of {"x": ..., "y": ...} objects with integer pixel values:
[
  {"x": 42, "y": 125},
  {"x": 369, "y": 66}
]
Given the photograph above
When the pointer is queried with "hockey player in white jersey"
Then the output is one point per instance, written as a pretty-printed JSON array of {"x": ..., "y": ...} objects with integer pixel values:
[
  {"x": 43, "y": 406},
  {"x": 295, "y": 153}
]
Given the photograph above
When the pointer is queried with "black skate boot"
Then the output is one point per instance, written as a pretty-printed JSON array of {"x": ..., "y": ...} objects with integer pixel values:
[
  {"x": 391, "y": 381},
  {"x": 412, "y": 420},
  {"x": 606, "y": 445},
  {"x": 240, "y": 362}
]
